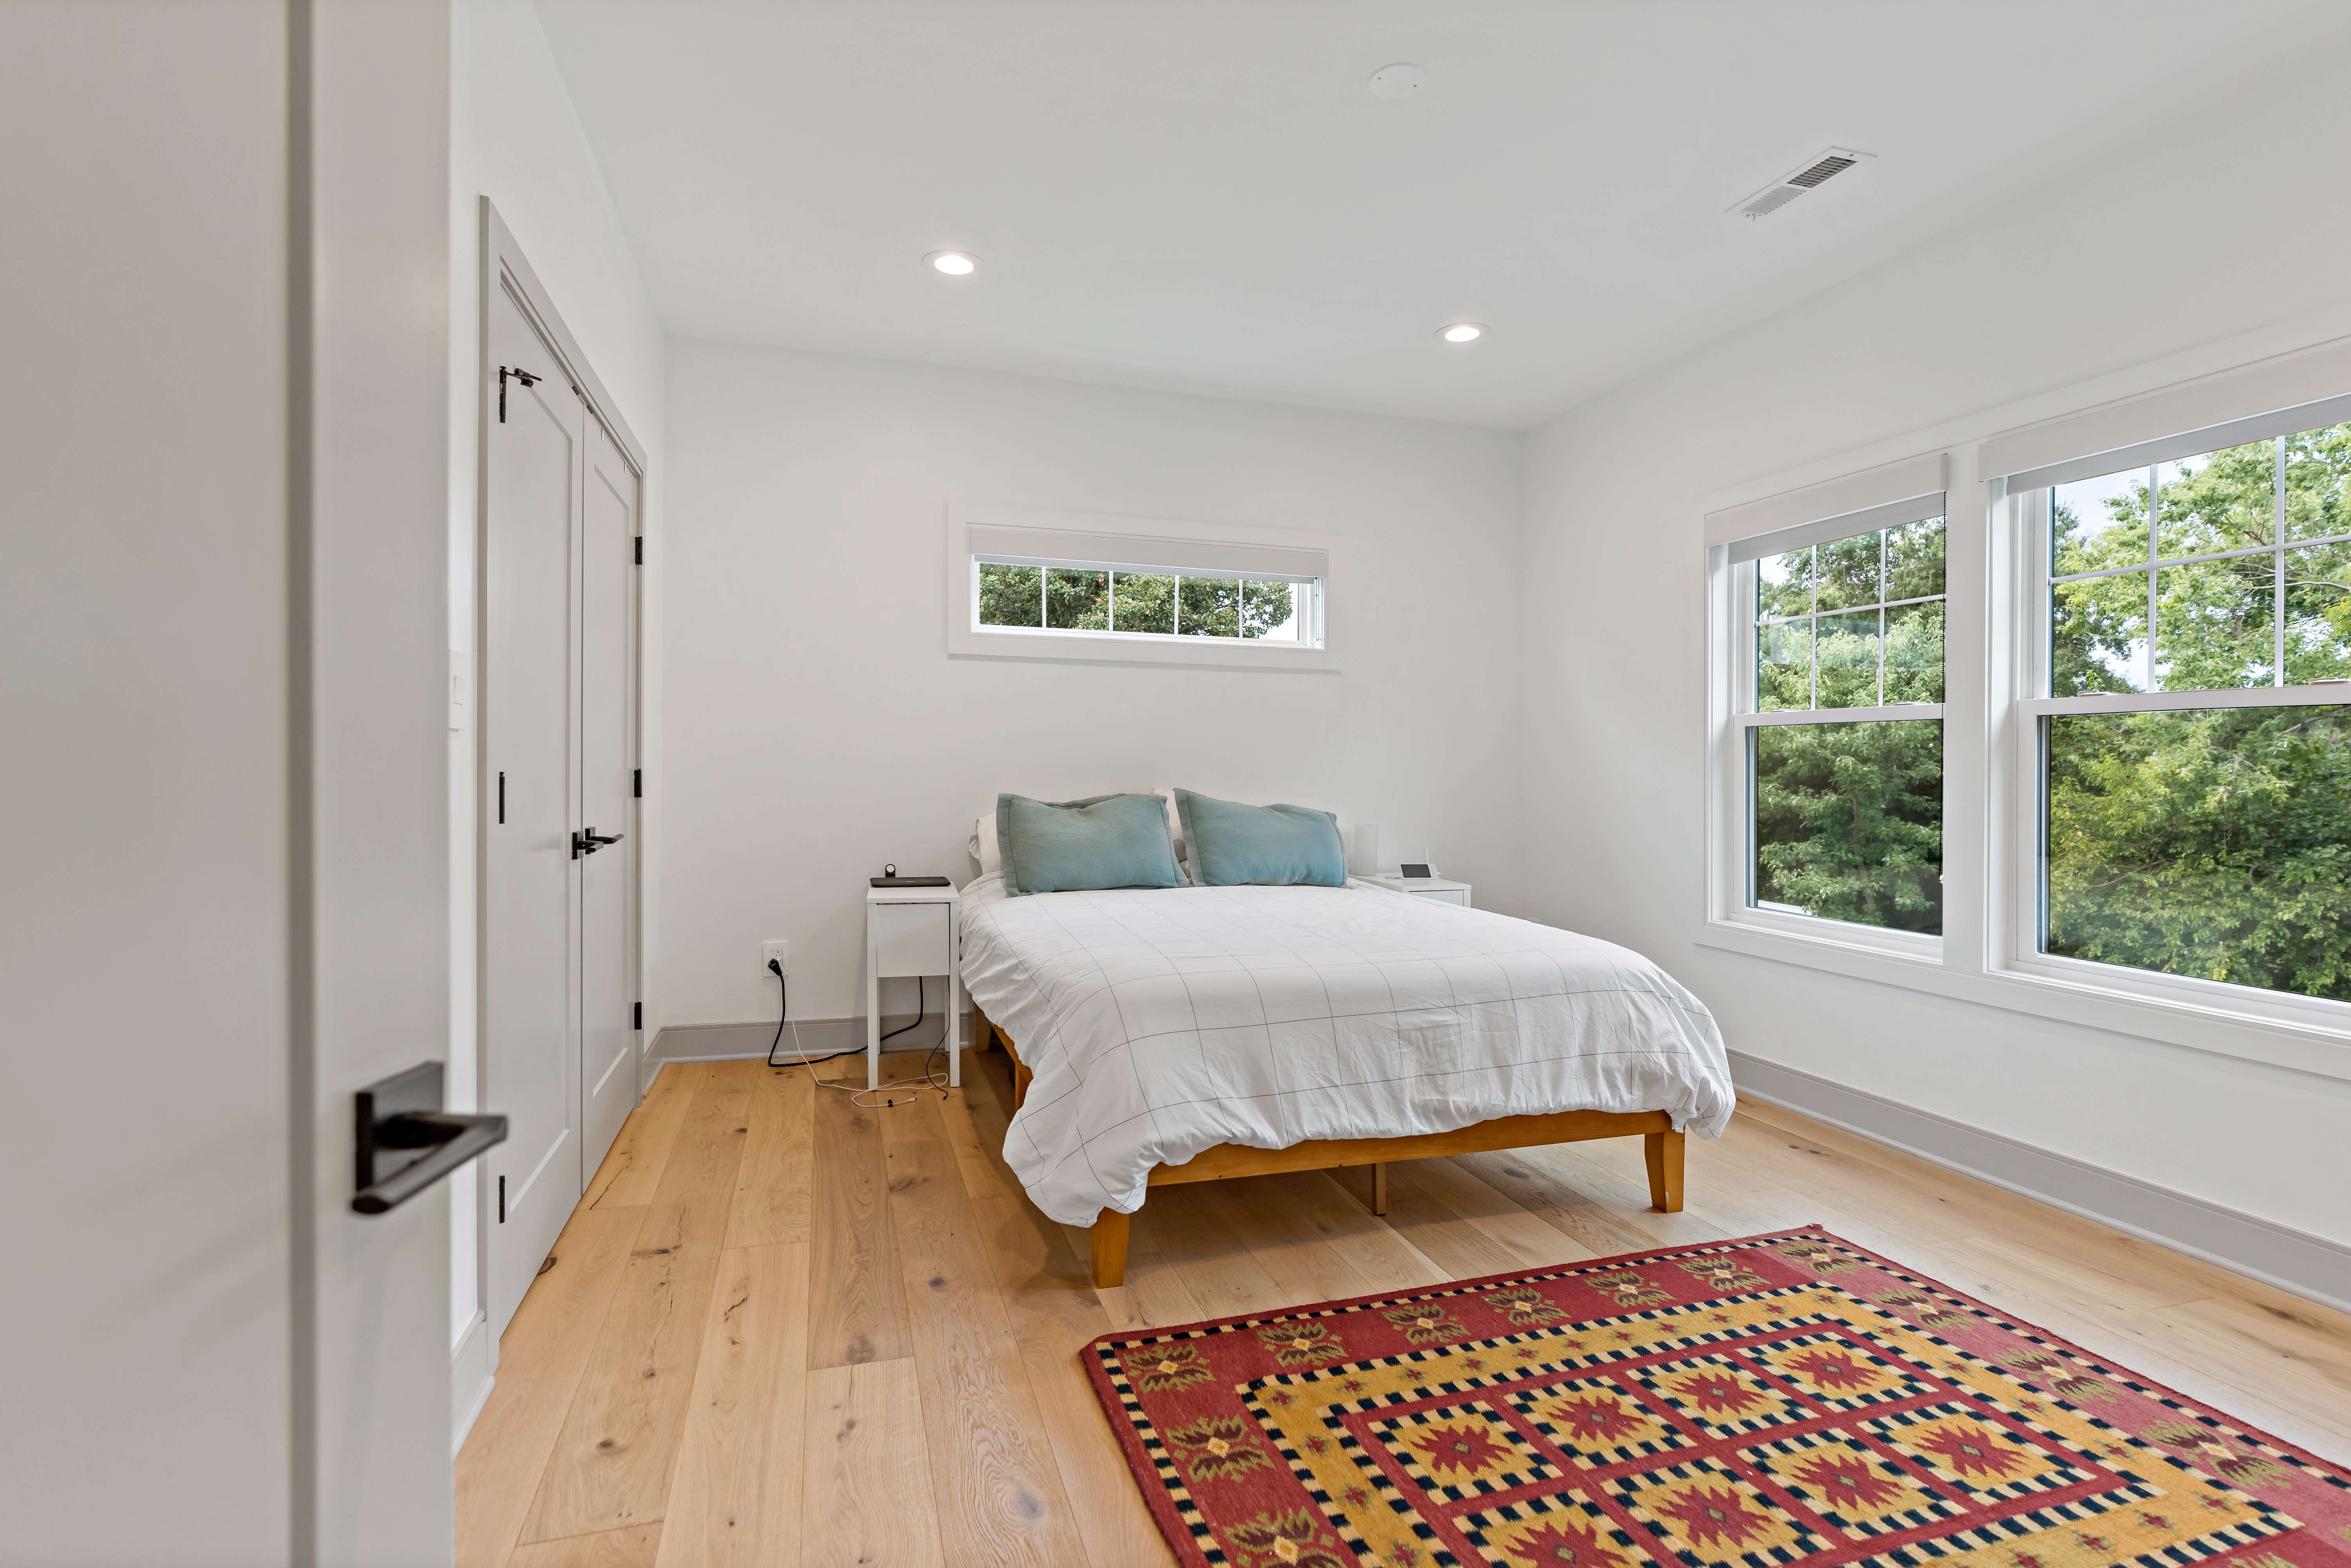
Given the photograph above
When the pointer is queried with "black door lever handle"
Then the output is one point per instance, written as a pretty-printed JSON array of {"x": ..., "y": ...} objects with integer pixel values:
[
  {"x": 405, "y": 1142},
  {"x": 587, "y": 840}
]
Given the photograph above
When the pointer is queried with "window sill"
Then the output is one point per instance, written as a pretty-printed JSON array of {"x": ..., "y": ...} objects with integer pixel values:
[
  {"x": 1105, "y": 648},
  {"x": 2321, "y": 1050}
]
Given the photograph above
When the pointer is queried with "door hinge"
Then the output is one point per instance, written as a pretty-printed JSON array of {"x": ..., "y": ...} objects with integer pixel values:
[
  {"x": 524, "y": 377},
  {"x": 502, "y": 1200},
  {"x": 637, "y": 1016},
  {"x": 636, "y": 783},
  {"x": 502, "y": 799},
  {"x": 641, "y": 549}
]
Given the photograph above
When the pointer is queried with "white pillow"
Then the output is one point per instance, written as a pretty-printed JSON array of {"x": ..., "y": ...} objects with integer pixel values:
[
  {"x": 1175, "y": 835},
  {"x": 983, "y": 846}
]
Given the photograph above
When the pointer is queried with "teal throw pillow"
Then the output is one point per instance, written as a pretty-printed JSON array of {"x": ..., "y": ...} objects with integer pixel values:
[
  {"x": 1072, "y": 846},
  {"x": 1280, "y": 846}
]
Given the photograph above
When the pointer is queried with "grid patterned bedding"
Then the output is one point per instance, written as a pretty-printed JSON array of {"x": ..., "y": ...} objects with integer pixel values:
[{"x": 1162, "y": 1022}]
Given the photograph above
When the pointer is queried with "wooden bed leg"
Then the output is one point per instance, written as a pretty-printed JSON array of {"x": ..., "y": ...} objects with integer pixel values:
[
  {"x": 1020, "y": 1076},
  {"x": 1665, "y": 1155},
  {"x": 983, "y": 1033},
  {"x": 1380, "y": 1188},
  {"x": 1110, "y": 1249}
]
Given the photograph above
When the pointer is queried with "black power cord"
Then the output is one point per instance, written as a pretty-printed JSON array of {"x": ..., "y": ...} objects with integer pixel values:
[
  {"x": 922, "y": 1011},
  {"x": 783, "y": 1010}
]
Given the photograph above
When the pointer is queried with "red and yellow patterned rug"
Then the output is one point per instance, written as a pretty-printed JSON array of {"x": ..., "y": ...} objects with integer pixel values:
[{"x": 1751, "y": 1403}]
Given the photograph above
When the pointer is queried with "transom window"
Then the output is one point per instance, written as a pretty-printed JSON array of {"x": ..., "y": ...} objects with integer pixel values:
[{"x": 1141, "y": 602}]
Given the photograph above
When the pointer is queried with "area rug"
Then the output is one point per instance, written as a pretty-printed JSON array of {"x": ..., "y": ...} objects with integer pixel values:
[{"x": 1751, "y": 1403}]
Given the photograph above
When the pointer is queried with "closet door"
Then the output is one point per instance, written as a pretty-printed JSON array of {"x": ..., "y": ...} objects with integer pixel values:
[
  {"x": 530, "y": 779},
  {"x": 608, "y": 1067}
]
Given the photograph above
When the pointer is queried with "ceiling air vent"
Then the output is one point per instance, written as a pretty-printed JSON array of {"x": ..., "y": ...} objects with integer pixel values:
[{"x": 1813, "y": 174}]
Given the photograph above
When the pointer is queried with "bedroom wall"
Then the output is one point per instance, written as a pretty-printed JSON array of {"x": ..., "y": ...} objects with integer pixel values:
[
  {"x": 516, "y": 137},
  {"x": 817, "y": 729},
  {"x": 2054, "y": 287}
]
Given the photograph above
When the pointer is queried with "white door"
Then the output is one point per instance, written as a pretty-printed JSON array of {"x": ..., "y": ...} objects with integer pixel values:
[
  {"x": 529, "y": 985},
  {"x": 608, "y": 1069}
]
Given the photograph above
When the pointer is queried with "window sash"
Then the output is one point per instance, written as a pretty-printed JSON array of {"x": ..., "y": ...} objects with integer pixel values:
[
  {"x": 1307, "y": 603},
  {"x": 2028, "y": 517},
  {"x": 2021, "y": 602}
]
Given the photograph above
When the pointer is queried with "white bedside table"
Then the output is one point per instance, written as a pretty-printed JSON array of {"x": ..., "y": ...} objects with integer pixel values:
[
  {"x": 911, "y": 932},
  {"x": 1431, "y": 887}
]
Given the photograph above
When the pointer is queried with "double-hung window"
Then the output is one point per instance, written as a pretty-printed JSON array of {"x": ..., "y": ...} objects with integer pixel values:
[
  {"x": 2187, "y": 646},
  {"x": 1838, "y": 699}
]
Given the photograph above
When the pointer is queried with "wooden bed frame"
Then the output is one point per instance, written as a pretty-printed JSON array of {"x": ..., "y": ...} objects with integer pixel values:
[{"x": 1660, "y": 1143}]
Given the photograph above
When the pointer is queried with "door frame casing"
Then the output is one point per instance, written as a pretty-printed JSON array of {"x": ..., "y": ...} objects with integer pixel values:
[{"x": 505, "y": 268}]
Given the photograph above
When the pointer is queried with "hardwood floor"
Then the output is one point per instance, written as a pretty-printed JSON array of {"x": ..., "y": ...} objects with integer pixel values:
[{"x": 780, "y": 1330}]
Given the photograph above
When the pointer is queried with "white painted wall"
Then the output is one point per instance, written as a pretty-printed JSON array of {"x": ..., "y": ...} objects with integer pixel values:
[
  {"x": 143, "y": 915},
  {"x": 2114, "y": 268},
  {"x": 817, "y": 728},
  {"x": 516, "y": 138}
]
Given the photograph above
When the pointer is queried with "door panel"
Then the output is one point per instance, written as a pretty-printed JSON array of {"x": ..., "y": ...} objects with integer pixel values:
[
  {"x": 529, "y": 985},
  {"x": 608, "y": 1069}
]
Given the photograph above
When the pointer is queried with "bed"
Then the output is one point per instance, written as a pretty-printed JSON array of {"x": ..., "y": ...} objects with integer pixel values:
[{"x": 1171, "y": 1035}]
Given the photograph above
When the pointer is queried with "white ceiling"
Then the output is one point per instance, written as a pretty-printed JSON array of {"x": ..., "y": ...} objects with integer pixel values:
[{"x": 1206, "y": 197}]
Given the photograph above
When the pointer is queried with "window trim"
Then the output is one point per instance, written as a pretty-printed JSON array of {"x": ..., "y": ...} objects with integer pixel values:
[
  {"x": 1989, "y": 954},
  {"x": 1089, "y": 542}
]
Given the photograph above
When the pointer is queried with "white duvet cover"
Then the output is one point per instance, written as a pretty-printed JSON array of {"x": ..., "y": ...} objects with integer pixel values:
[{"x": 1161, "y": 1022}]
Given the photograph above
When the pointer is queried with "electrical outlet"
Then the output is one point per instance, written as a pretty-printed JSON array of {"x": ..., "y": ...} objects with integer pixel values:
[{"x": 781, "y": 952}]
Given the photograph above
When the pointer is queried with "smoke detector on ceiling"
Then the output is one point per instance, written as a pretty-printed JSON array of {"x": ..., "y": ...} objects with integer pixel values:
[{"x": 1811, "y": 176}]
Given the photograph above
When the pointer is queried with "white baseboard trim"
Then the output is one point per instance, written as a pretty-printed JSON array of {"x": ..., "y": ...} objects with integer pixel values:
[
  {"x": 470, "y": 1379},
  {"x": 2290, "y": 1259},
  {"x": 749, "y": 1041}
]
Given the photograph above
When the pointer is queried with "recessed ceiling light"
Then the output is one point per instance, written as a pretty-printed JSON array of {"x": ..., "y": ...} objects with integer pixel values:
[
  {"x": 954, "y": 263},
  {"x": 1398, "y": 81},
  {"x": 1463, "y": 333}
]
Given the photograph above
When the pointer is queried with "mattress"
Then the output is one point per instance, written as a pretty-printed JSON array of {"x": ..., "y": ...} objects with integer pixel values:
[{"x": 1160, "y": 1022}]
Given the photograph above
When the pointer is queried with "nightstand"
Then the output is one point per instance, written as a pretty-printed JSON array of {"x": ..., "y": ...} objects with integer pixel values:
[
  {"x": 1430, "y": 887},
  {"x": 911, "y": 932}
]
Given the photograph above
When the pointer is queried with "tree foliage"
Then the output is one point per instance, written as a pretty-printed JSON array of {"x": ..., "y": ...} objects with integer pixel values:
[
  {"x": 1071, "y": 600},
  {"x": 2215, "y": 842}
]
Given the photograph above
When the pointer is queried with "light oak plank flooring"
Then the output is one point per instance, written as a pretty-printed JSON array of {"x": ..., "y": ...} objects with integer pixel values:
[{"x": 784, "y": 1330}]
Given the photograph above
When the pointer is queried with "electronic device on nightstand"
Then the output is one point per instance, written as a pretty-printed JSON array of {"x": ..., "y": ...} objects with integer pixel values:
[
  {"x": 1418, "y": 881},
  {"x": 911, "y": 933}
]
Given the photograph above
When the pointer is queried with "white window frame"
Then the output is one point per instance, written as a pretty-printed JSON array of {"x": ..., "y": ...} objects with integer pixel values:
[
  {"x": 978, "y": 535},
  {"x": 1860, "y": 505},
  {"x": 1995, "y": 630},
  {"x": 2020, "y": 505}
]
